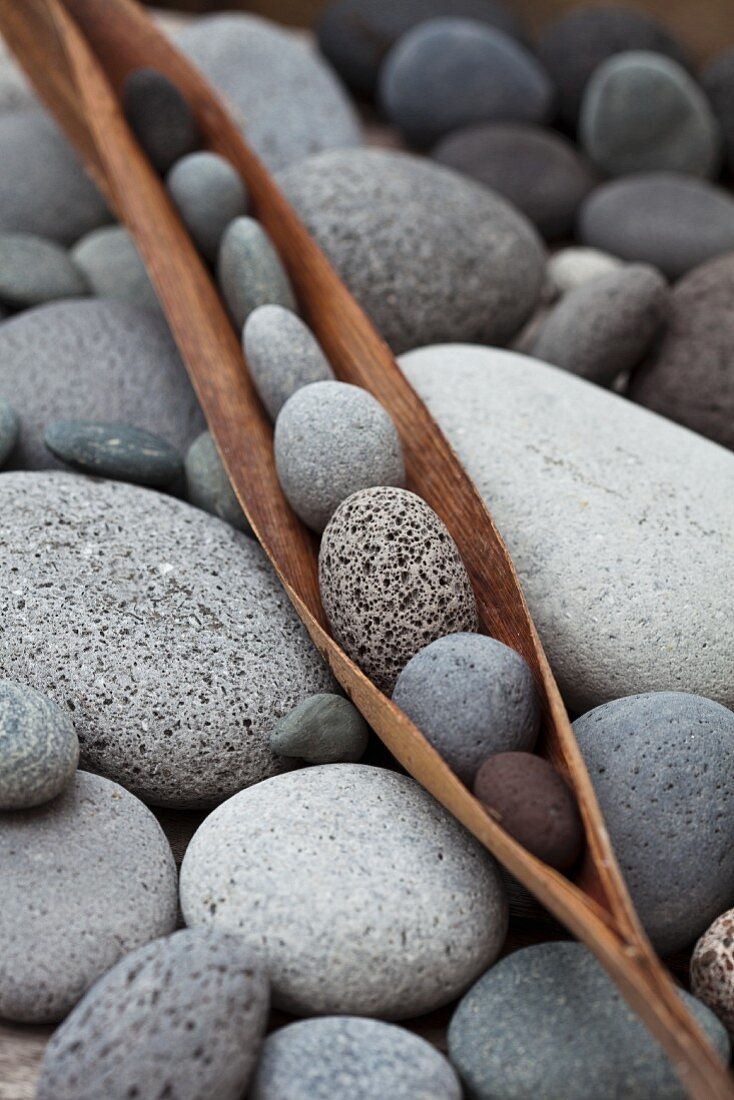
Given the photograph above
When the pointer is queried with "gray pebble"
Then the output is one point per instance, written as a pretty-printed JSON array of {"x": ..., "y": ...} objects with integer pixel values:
[
  {"x": 207, "y": 484},
  {"x": 250, "y": 272},
  {"x": 9, "y": 430},
  {"x": 34, "y": 270},
  {"x": 195, "y": 1005},
  {"x": 353, "y": 902},
  {"x": 547, "y": 1022},
  {"x": 391, "y": 581},
  {"x": 472, "y": 697},
  {"x": 717, "y": 81},
  {"x": 113, "y": 267},
  {"x": 325, "y": 729},
  {"x": 209, "y": 194},
  {"x": 575, "y": 266},
  {"x": 348, "y": 1056},
  {"x": 86, "y": 878},
  {"x": 118, "y": 451},
  {"x": 282, "y": 355},
  {"x": 160, "y": 117},
  {"x": 39, "y": 750}
]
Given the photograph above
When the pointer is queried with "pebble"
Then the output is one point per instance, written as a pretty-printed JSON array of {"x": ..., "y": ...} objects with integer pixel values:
[
  {"x": 676, "y": 131},
  {"x": 348, "y": 1056},
  {"x": 712, "y": 969},
  {"x": 113, "y": 268},
  {"x": 575, "y": 266},
  {"x": 391, "y": 581},
  {"x": 282, "y": 356},
  {"x": 9, "y": 430},
  {"x": 173, "y": 644},
  {"x": 86, "y": 878},
  {"x": 250, "y": 271},
  {"x": 39, "y": 750},
  {"x": 690, "y": 376},
  {"x": 208, "y": 486},
  {"x": 471, "y": 696},
  {"x": 717, "y": 81},
  {"x": 94, "y": 359},
  {"x": 559, "y": 1027},
  {"x": 160, "y": 117},
  {"x": 379, "y": 870},
  {"x": 118, "y": 451},
  {"x": 606, "y": 326},
  {"x": 34, "y": 270},
  {"x": 325, "y": 729},
  {"x": 286, "y": 99},
  {"x": 331, "y": 440},
  {"x": 671, "y": 221},
  {"x": 447, "y": 73},
  {"x": 538, "y": 171},
  {"x": 196, "y": 1004},
  {"x": 430, "y": 255},
  {"x": 615, "y": 520},
  {"x": 209, "y": 194},
  {"x": 662, "y": 765}
]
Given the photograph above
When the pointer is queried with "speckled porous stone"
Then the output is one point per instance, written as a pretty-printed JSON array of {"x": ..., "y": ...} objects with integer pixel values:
[
  {"x": 94, "y": 359},
  {"x": 354, "y": 902},
  {"x": 560, "y": 1028},
  {"x": 173, "y": 644},
  {"x": 34, "y": 270},
  {"x": 717, "y": 81},
  {"x": 113, "y": 267},
  {"x": 118, "y": 451},
  {"x": 572, "y": 267},
  {"x": 207, "y": 484},
  {"x": 712, "y": 969},
  {"x": 283, "y": 355},
  {"x": 662, "y": 765},
  {"x": 429, "y": 254},
  {"x": 471, "y": 696},
  {"x": 325, "y": 729},
  {"x": 39, "y": 750},
  {"x": 196, "y": 1004},
  {"x": 250, "y": 271},
  {"x": 391, "y": 581},
  {"x": 348, "y": 1056},
  {"x": 209, "y": 194},
  {"x": 9, "y": 429},
  {"x": 159, "y": 116},
  {"x": 86, "y": 878}
]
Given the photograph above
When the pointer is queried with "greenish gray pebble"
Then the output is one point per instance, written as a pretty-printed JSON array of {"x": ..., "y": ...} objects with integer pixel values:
[
  {"x": 9, "y": 429},
  {"x": 119, "y": 451},
  {"x": 325, "y": 729},
  {"x": 207, "y": 484},
  {"x": 283, "y": 355},
  {"x": 113, "y": 267},
  {"x": 39, "y": 750},
  {"x": 34, "y": 270},
  {"x": 250, "y": 272},
  {"x": 209, "y": 194}
]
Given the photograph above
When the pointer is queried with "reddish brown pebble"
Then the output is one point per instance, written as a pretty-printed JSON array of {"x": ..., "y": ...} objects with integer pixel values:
[
  {"x": 712, "y": 969},
  {"x": 533, "y": 804}
]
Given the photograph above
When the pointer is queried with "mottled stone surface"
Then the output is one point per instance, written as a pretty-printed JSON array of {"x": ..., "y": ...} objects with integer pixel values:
[
  {"x": 250, "y": 271},
  {"x": 160, "y": 117},
  {"x": 39, "y": 749},
  {"x": 712, "y": 969},
  {"x": 325, "y": 729},
  {"x": 209, "y": 194},
  {"x": 34, "y": 270},
  {"x": 113, "y": 267},
  {"x": 207, "y": 484},
  {"x": 282, "y": 355}
]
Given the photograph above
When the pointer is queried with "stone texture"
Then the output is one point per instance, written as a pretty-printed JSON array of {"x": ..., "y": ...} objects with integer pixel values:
[
  {"x": 117, "y": 451},
  {"x": 712, "y": 969},
  {"x": 173, "y": 644},
  {"x": 86, "y": 878},
  {"x": 34, "y": 270},
  {"x": 250, "y": 271},
  {"x": 615, "y": 519},
  {"x": 374, "y": 901},
  {"x": 209, "y": 194},
  {"x": 430, "y": 256},
  {"x": 160, "y": 117},
  {"x": 717, "y": 81},
  {"x": 325, "y": 729},
  {"x": 113, "y": 267},
  {"x": 39, "y": 750},
  {"x": 572, "y": 267},
  {"x": 207, "y": 484},
  {"x": 9, "y": 430},
  {"x": 282, "y": 355}
]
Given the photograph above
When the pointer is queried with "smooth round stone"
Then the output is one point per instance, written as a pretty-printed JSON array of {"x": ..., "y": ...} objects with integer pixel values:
[
  {"x": 94, "y": 360},
  {"x": 471, "y": 696},
  {"x": 614, "y": 518},
  {"x": 337, "y": 1056},
  {"x": 173, "y": 644},
  {"x": 119, "y": 451},
  {"x": 39, "y": 750},
  {"x": 113, "y": 267},
  {"x": 429, "y": 255},
  {"x": 676, "y": 131},
  {"x": 391, "y": 581},
  {"x": 34, "y": 270},
  {"x": 690, "y": 376},
  {"x": 447, "y": 73},
  {"x": 537, "y": 170},
  {"x": 573, "y": 267},
  {"x": 606, "y": 326},
  {"x": 9, "y": 430},
  {"x": 559, "y": 1027},
  {"x": 181, "y": 996},
  {"x": 325, "y": 729},
  {"x": 86, "y": 878},
  {"x": 209, "y": 194},
  {"x": 354, "y": 903},
  {"x": 160, "y": 117},
  {"x": 287, "y": 100},
  {"x": 250, "y": 271},
  {"x": 717, "y": 81},
  {"x": 282, "y": 355},
  {"x": 207, "y": 484},
  {"x": 43, "y": 187},
  {"x": 662, "y": 765},
  {"x": 712, "y": 969}
]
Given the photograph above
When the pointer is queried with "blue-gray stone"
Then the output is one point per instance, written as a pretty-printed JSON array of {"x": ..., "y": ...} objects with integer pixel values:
[
  {"x": 325, "y": 729},
  {"x": 39, "y": 750},
  {"x": 209, "y": 193},
  {"x": 34, "y": 270},
  {"x": 119, "y": 451},
  {"x": 113, "y": 267},
  {"x": 160, "y": 117},
  {"x": 207, "y": 484},
  {"x": 282, "y": 355},
  {"x": 250, "y": 271},
  {"x": 9, "y": 429}
]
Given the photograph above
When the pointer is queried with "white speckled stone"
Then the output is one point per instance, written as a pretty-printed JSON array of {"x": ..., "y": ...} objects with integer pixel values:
[
  {"x": 250, "y": 271},
  {"x": 209, "y": 194},
  {"x": 572, "y": 267},
  {"x": 113, "y": 267},
  {"x": 39, "y": 749},
  {"x": 712, "y": 969},
  {"x": 282, "y": 355}
]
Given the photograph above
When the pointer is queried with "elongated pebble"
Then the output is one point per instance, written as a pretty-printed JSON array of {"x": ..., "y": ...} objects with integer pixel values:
[
  {"x": 282, "y": 354},
  {"x": 159, "y": 116},
  {"x": 207, "y": 484},
  {"x": 118, "y": 451},
  {"x": 209, "y": 194},
  {"x": 250, "y": 272}
]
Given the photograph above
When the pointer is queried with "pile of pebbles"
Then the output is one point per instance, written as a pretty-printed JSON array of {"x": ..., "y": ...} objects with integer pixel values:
[{"x": 151, "y": 660}]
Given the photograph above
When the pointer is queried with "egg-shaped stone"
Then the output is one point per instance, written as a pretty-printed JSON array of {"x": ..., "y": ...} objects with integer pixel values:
[{"x": 712, "y": 969}]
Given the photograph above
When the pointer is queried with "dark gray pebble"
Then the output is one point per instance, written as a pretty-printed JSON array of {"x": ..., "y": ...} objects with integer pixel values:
[
  {"x": 160, "y": 117},
  {"x": 250, "y": 271},
  {"x": 324, "y": 729},
  {"x": 39, "y": 749},
  {"x": 9, "y": 428},
  {"x": 717, "y": 81},
  {"x": 209, "y": 487},
  {"x": 119, "y": 451}
]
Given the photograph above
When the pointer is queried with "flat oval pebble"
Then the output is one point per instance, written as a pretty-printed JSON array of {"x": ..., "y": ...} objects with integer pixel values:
[
  {"x": 86, "y": 878},
  {"x": 325, "y": 729},
  {"x": 250, "y": 272},
  {"x": 282, "y": 355},
  {"x": 159, "y": 116},
  {"x": 209, "y": 194},
  {"x": 113, "y": 267},
  {"x": 391, "y": 581},
  {"x": 34, "y": 270},
  {"x": 347, "y": 1056},
  {"x": 354, "y": 903},
  {"x": 447, "y": 73},
  {"x": 712, "y": 969},
  {"x": 430, "y": 255},
  {"x": 615, "y": 520},
  {"x": 9, "y": 430},
  {"x": 207, "y": 484},
  {"x": 94, "y": 359},
  {"x": 717, "y": 81},
  {"x": 572, "y": 267},
  {"x": 671, "y": 221},
  {"x": 173, "y": 644},
  {"x": 118, "y": 451},
  {"x": 196, "y": 1004},
  {"x": 39, "y": 749},
  {"x": 560, "y": 1028}
]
